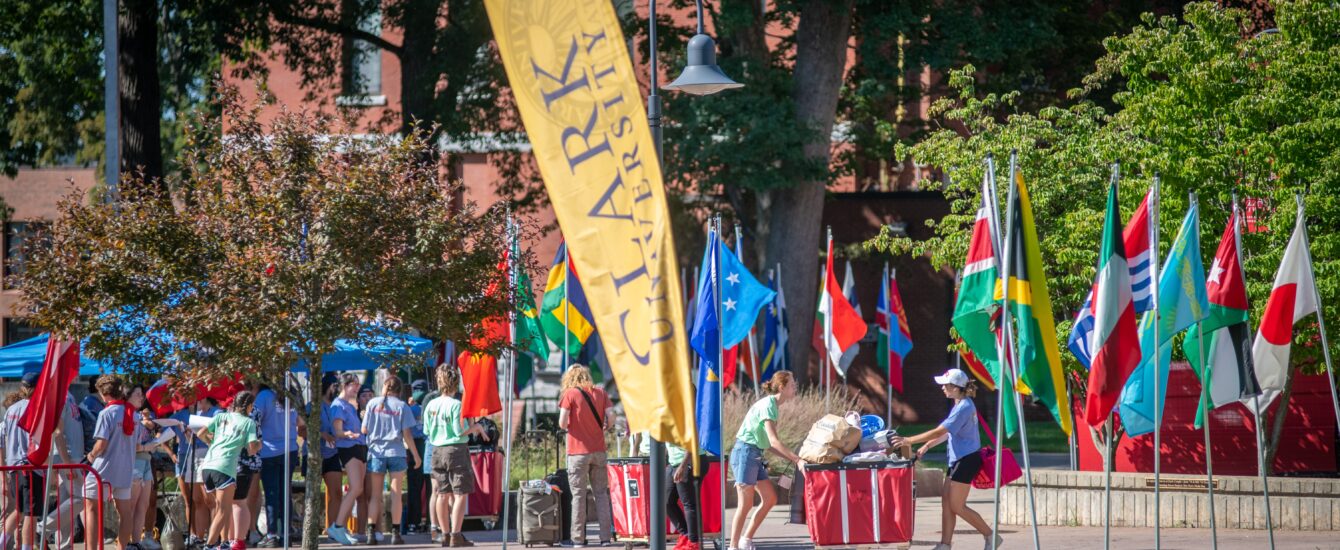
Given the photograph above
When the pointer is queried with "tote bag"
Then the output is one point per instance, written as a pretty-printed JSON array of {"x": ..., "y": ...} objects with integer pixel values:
[{"x": 1009, "y": 468}]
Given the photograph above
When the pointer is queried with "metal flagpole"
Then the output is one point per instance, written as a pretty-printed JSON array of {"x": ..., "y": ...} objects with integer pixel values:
[
  {"x": 753, "y": 353},
  {"x": 1256, "y": 399},
  {"x": 1321, "y": 322},
  {"x": 1108, "y": 433},
  {"x": 721, "y": 375},
  {"x": 1205, "y": 426},
  {"x": 828, "y": 324},
  {"x": 888, "y": 340},
  {"x": 1014, "y": 368},
  {"x": 509, "y": 371},
  {"x": 567, "y": 328},
  {"x": 288, "y": 472},
  {"x": 1000, "y": 354},
  {"x": 1158, "y": 380}
]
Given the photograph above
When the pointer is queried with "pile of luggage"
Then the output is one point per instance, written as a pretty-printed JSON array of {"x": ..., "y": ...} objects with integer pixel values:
[{"x": 851, "y": 438}]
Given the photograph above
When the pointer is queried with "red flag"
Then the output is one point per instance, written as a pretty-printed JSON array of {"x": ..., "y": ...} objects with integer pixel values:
[
  {"x": 223, "y": 390},
  {"x": 479, "y": 381},
  {"x": 977, "y": 369},
  {"x": 730, "y": 360},
  {"x": 48, "y": 398}
]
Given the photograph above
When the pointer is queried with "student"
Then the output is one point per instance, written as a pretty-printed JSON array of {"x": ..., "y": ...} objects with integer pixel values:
[
  {"x": 70, "y": 490},
  {"x": 228, "y": 434},
  {"x": 115, "y": 436},
  {"x": 388, "y": 424},
  {"x": 245, "y": 497},
  {"x": 960, "y": 429},
  {"x": 352, "y": 450},
  {"x": 276, "y": 429},
  {"x": 435, "y": 523},
  {"x": 758, "y": 433},
  {"x": 191, "y": 451},
  {"x": 415, "y": 476},
  {"x": 453, "y": 476},
  {"x": 331, "y": 469},
  {"x": 27, "y": 488},
  {"x": 584, "y": 411},
  {"x": 684, "y": 488},
  {"x": 142, "y": 476}
]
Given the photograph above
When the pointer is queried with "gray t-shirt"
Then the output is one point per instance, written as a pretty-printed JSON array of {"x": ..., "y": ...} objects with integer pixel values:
[
  {"x": 16, "y": 438},
  {"x": 73, "y": 429},
  {"x": 385, "y": 420},
  {"x": 116, "y": 463}
]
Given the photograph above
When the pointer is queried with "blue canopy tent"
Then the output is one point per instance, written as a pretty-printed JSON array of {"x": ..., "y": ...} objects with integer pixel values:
[{"x": 349, "y": 355}]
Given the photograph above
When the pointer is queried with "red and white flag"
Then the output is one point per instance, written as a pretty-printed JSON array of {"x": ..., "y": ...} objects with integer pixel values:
[
  {"x": 48, "y": 399},
  {"x": 1293, "y": 297},
  {"x": 842, "y": 326},
  {"x": 1116, "y": 343}
]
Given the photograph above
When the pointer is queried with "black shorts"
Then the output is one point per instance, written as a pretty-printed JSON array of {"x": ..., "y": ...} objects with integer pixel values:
[
  {"x": 28, "y": 489},
  {"x": 217, "y": 481},
  {"x": 244, "y": 477},
  {"x": 347, "y": 454},
  {"x": 966, "y": 468},
  {"x": 331, "y": 465}
]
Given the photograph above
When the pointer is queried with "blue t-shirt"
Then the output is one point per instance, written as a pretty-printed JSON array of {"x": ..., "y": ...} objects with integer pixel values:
[
  {"x": 327, "y": 450},
  {"x": 962, "y": 427},
  {"x": 417, "y": 410},
  {"x": 348, "y": 412},
  {"x": 117, "y": 462},
  {"x": 386, "y": 420},
  {"x": 269, "y": 414}
]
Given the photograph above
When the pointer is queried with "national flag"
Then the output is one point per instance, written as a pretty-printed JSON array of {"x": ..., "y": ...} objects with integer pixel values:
[
  {"x": 1115, "y": 347},
  {"x": 774, "y": 332},
  {"x": 1135, "y": 239},
  {"x": 742, "y": 298},
  {"x": 40, "y": 419},
  {"x": 1182, "y": 303},
  {"x": 1292, "y": 298},
  {"x": 1227, "y": 356},
  {"x": 529, "y": 335},
  {"x": 895, "y": 339},
  {"x": 565, "y": 317},
  {"x": 976, "y": 306},
  {"x": 840, "y": 325},
  {"x": 1039, "y": 363},
  {"x": 849, "y": 292},
  {"x": 975, "y": 367},
  {"x": 479, "y": 384},
  {"x": 705, "y": 339}
]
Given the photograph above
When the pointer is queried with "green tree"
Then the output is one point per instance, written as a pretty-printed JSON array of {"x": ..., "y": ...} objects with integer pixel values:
[
  {"x": 280, "y": 240},
  {"x": 1211, "y": 110}
]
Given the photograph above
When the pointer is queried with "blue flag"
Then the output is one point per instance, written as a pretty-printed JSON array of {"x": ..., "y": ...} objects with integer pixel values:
[
  {"x": 742, "y": 298},
  {"x": 774, "y": 333},
  {"x": 705, "y": 339},
  {"x": 1183, "y": 302}
]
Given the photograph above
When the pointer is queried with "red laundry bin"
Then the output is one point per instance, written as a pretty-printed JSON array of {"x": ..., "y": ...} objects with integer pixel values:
[
  {"x": 857, "y": 504},
  {"x": 630, "y": 496},
  {"x": 486, "y": 501}
]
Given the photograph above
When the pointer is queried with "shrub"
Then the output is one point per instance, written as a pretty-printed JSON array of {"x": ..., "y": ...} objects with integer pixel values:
[{"x": 796, "y": 417}]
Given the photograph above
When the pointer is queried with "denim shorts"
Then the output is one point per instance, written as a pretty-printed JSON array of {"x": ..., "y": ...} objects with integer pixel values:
[
  {"x": 387, "y": 464},
  {"x": 143, "y": 471},
  {"x": 428, "y": 459},
  {"x": 746, "y": 464}
]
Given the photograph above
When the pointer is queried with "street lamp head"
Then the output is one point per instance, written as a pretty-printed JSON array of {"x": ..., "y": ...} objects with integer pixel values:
[{"x": 701, "y": 75}]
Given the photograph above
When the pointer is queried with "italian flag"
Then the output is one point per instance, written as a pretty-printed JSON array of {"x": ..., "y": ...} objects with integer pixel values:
[
  {"x": 1293, "y": 298},
  {"x": 1116, "y": 344},
  {"x": 842, "y": 326}
]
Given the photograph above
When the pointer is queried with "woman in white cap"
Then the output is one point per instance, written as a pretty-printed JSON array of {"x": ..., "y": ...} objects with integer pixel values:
[{"x": 965, "y": 462}]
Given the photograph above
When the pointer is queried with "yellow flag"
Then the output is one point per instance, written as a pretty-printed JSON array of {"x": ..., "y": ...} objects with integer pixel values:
[{"x": 570, "y": 72}]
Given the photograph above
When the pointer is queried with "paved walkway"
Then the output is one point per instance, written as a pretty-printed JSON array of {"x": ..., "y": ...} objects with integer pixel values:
[{"x": 777, "y": 534}]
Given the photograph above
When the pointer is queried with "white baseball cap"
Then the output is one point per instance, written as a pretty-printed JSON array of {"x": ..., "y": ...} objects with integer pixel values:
[{"x": 953, "y": 376}]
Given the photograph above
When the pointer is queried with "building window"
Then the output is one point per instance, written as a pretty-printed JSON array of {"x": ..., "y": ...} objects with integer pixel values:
[
  {"x": 361, "y": 62},
  {"x": 17, "y": 329},
  {"x": 19, "y": 239}
]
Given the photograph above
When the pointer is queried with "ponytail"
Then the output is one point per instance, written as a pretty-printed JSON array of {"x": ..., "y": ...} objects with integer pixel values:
[
  {"x": 970, "y": 390},
  {"x": 778, "y": 382}
]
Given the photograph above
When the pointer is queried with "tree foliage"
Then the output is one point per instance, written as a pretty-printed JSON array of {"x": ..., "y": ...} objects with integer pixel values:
[
  {"x": 281, "y": 239},
  {"x": 1214, "y": 110}
]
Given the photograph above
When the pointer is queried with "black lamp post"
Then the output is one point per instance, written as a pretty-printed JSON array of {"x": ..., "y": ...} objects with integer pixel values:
[{"x": 701, "y": 76}]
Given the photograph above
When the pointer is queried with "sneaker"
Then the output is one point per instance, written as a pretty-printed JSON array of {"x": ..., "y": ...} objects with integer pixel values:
[
  {"x": 340, "y": 535},
  {"x": 372, "y": 536},
  {"x": 458, "y": 541},
  {"x": 436, "y": 535},
  {"x": 269, "y": 541},
  {"x": 747, "y": 544},
  {"x": 396, "y": 538},
  {"x": 941, "y": 546},
  {"x": 999, "y": 541},
  {"x": 239, "y": 544},
  {"x": 445, "y": 541}
]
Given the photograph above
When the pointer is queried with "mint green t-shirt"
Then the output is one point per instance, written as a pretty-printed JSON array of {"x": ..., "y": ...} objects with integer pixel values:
[
  {"x": 442, "y": 422},
  {"x": 674, "y": 454},
  {"x": 753, "y": 431},
  {"x": 232, "y": 433}
]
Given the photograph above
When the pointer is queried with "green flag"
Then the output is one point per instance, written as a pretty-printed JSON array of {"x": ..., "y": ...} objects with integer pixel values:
[{"x": 529, "y": 338}]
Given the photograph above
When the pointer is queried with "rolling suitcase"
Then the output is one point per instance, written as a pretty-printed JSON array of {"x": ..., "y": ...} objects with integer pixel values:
[{"x": 543, "y": 511}]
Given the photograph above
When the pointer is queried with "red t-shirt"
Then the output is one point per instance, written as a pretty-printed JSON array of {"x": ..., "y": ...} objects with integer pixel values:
[{"x": 585, "y": 435}]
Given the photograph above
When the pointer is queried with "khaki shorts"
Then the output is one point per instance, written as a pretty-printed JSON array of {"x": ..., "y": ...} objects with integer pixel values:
[{"x": 452, "y": 470}]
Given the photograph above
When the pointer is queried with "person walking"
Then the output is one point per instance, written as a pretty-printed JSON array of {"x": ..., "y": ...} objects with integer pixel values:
[
  {"x": 584, "y": 411},
  {"x": 758, "y": 433},
  {"x": 352, "y": 450},
  {"x": 960, "y": 429},
  {"x": 279, "y": 437},
  {"x": 191, "y": 452},
  {"x": 228, "y": 435},
  {"x": 415, "y": 476},
  {"x": 684, "y": 488},
  {"x": 453, "y": 476},
  {"x": 142, "y": 478},
  {"x": 388, "y": 424},
  {"x": 331, "y": 469},
  {"x": 115, "y": 436}
]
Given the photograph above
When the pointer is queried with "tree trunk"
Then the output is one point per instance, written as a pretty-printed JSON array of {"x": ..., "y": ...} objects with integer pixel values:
[
  {"x": 140, "y": 95},
  {"x": 1277, "y": 429},
  {"x": 418, "y": 79},
  {"x": 797, "y": 212},
  {"x": 314, "y": 493}
]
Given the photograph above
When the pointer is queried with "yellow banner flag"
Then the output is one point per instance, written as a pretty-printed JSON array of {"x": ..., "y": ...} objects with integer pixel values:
[{"x": 572, "y": 77}]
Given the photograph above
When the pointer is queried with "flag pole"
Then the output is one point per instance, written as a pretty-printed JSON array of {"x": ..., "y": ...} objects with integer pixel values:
[
  {"x": 1014, "y": 370},
  {"x": 509, "y": 372},
  {"x": 1256, "y": 399},
  {"x": 780, "y": 357},
  {"x": 1321, "y": 322},
  {"x": 753, "y": 354},
  {"x": 828, "y": 325},
  {"x": 721, "y": 373},
  {"x": 888, "y": 339},
  {"x": 1000, "y": 354},
  {"x": 567, "y": 328},
  {"x": 1109, "y": 431},
  {"x": 1158, "y": 380},
  {"x": 1205, "y": 419}
]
